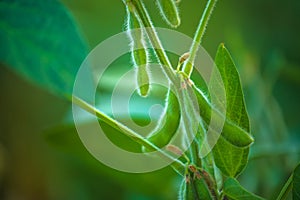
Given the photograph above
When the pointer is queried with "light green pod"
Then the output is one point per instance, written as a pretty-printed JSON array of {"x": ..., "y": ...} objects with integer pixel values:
[
  {"x": 186, "y": 189},
  {"x": 231, "y": 132},
  {"x": 193, "y": 187},
  {"x": 143, "y": 80},
  {"x": 169, "y": 12},
  {"x": 139, "y": 54},
  {"x": 201, "y": 190},
  {"x": 168, "y": 123}
]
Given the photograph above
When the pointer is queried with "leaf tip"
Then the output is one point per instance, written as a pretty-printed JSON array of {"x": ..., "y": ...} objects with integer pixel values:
[{"x": 222, "y": 46}]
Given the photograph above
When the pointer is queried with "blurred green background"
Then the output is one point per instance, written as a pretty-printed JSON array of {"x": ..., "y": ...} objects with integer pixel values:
[{"x": 41, "y": 156}]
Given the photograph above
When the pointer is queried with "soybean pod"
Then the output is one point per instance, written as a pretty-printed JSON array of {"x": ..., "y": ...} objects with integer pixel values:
[
  {"x": 139, "y": 53},
  {"x": 194, "y": 186},
  {"x": 168, "y": 123},
  {"x": 231, "y": 132},
  {"x": 186, "y": 190},
  {"x": 169, "y": 12}
]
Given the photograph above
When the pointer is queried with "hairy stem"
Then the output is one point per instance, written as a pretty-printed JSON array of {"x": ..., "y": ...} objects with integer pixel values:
[
  {"x": 154, "y": 39},
  {"x": 177, "y": 164},
  {"x": 188, "y": 65}
]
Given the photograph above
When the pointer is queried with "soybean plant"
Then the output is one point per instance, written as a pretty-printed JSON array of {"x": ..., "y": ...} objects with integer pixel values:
[
  {"x": 208, "y": 170},
  {"x": 214, "y": 175}
]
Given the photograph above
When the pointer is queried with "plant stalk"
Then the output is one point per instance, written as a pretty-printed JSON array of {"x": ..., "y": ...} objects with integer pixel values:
[
  {"x": 189, "y": 63},
  {"x": 154, "y": 40},
  {"x": 177, "y": 164}
]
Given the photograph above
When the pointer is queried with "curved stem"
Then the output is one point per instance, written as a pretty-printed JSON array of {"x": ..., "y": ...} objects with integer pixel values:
[
  {"x": 177, "y": 164},
  {"x": 188, "y": 64},
  {"x": 154, "y": 39}
]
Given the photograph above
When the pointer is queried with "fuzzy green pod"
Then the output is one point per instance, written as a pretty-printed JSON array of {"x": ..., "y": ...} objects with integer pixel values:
[
  {"x": 143, "y": 81},
  {"x": 201, "y": 190},
  {"x": 186, "y": 190},
  {"x": 139, "y": 54},
  {"x": 194, "y": 186},
  {"x": 168, "y": 123},
  {"x": 169, "y": 12},
  {"x": 231, "y": 132}
]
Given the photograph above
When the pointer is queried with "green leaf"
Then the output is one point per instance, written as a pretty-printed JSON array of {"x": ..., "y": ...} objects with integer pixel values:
[
  {"x": 296, "y": 183},
  {"x": 235, "y": 104},
  {"x": 230, "y": 158},
  {"x": 65, "y": 142},
  {"x": 293, "y": 183},
  {"x": 233, "y": 190},
  {"x": 40, "y": 41}
]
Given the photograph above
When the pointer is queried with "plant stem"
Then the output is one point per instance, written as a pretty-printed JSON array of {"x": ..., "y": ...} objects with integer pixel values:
[
  {"x": 286, "y": 188},
  {"x": 188, "y": 64},
  {"x": 154, "y": 39},
  {"x": 189, "y": 117},
  {"x": 177, "y": 164}
]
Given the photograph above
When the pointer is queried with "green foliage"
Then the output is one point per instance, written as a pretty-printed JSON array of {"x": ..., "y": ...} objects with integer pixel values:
[
  {"x": 235, "y": 104},
  {"x": 231, "y": 158},
  {"x": 291, "y": 184},
  {"x": 52, "y": 41},
  {"x": 64, "y": 138},
  {"x": 234, "y": 191},
  {"x": 40, "y": 41},
  {"x": 296, "y": 183}
]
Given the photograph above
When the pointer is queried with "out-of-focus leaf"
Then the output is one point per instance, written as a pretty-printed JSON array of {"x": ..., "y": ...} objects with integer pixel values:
[
  {"x": 40, "y": 41},
  {"x": 230, "y": 159},
  {"x": 296, "y": 183},
  {"x": 65, "y": 139},
  {"x": 234, "y": 191}
]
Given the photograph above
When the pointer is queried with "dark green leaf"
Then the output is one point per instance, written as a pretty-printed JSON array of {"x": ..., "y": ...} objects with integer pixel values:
[
  {"x": 233, "y": 190},
  {"x": 40, "y": 41},
  {"x": 228, "y": 157},
  {"x": 65, "y": 140},
  {"x": 235, "y": 104},
  {"x": 293, "y": 183},
  {"x": 296, "y": 183}
]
